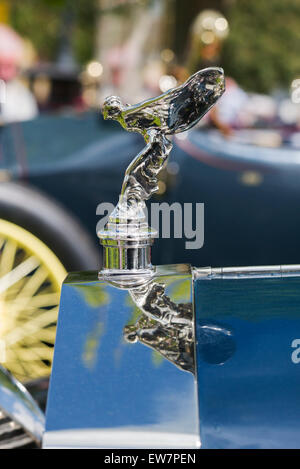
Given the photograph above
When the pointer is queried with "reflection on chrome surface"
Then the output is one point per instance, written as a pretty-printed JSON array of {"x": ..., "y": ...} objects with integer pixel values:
[
  {"x": 21, "y": 421},
  {"x": 118, "y": 394},
  {"x": 165, "y": 326}
]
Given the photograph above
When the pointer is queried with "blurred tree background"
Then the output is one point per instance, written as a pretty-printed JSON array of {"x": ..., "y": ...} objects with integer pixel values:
[
  {"x": 48, "y": 22},
  {"x": 261, "y": 51}
]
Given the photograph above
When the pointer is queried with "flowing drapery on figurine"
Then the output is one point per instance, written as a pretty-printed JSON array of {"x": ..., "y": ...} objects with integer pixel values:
[
  {"x": 127, "y": 237},
  {"x": 156, "y": 119}
]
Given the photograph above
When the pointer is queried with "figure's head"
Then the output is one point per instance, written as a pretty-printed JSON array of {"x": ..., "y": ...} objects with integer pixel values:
[{"x": 112, "y": 107}]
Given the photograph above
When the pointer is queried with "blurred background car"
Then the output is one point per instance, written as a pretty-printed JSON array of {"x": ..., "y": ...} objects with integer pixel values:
[{"x": 59, "y": 160}]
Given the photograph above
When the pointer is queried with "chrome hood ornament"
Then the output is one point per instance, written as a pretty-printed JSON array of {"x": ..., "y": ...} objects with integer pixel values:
[{"x": 127, "y": 237}]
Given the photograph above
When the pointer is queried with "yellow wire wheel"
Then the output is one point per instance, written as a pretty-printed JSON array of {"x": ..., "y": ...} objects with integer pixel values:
[{"x": 30, "y": 280}]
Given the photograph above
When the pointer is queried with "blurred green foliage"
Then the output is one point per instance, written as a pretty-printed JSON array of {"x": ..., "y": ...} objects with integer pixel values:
[
  {"x": 44, "y": 22},
  {"x": 262, "y": 49}
]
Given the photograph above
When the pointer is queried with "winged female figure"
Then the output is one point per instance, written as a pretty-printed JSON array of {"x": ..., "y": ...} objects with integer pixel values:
[{"x": 157, "y": 119}]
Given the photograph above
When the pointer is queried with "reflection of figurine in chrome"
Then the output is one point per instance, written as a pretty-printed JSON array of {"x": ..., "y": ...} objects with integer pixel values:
[
  {"x": 166, "y": 340},
  {"x": 175, "y": 111},
  {"x": 165, "y": 326},
  {"x": 168, "y": 328}
]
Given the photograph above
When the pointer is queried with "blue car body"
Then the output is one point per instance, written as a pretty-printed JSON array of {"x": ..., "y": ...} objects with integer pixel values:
[{"x": 243, "y": 393}]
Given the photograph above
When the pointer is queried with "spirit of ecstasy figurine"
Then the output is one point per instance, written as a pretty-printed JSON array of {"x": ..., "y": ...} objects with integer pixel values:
[
  {"x": 156, "y": 119},
  {"x": 164, "y": 325},
  {"x": 127, "y": 237}
]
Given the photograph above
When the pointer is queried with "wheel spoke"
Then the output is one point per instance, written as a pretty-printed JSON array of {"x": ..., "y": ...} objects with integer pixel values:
[
  {"x": 31, "y": 326},
  {"x": 7, "y": 257},
  {"x": 33, "y": 284},
  {"x": 43, "y": 300},
  {"x": 30, "y": 287},
  {"x": 30, "y": 276},
  {"x": 17, "y": 274}
]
